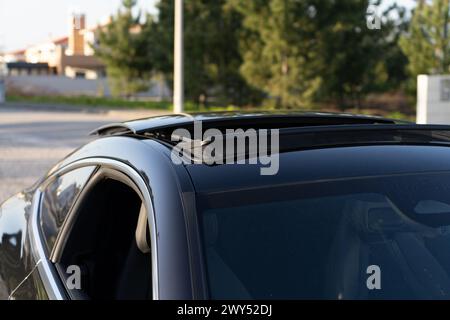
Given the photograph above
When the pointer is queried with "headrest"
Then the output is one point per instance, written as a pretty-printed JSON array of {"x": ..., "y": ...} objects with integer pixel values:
[
  {"x": 369, "y": 217},
  {"x": 143, "y": 232}
]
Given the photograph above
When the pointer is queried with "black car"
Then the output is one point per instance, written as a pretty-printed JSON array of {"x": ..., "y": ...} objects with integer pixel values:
[{"x": 358, "y": 209}]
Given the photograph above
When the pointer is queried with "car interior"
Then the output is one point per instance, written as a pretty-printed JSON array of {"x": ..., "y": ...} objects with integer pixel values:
[
  {"x": 321, "y": 249},
  {"x": 108, "y": 238},
  {"x": 413, "y": 264}
]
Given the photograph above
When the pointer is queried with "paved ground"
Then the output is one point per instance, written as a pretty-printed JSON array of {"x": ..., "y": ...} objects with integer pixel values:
[{"x": 32, "y": 140}]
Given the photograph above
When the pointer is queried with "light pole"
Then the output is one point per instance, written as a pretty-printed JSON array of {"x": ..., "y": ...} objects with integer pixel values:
[{"x": 178, "y": 80}]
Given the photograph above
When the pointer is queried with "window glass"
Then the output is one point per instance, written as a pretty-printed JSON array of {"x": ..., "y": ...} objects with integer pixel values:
[
  {"x": 102, "y": 244},
  {"x": 57, "y": 200},
  {"x": 369, "y": 238}
]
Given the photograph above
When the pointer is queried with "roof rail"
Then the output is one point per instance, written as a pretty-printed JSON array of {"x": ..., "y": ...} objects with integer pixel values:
[{"x": 263, "y": 120}]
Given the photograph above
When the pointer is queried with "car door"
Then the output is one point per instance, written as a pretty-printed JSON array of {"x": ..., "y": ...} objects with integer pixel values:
[
  {"x": 61, "y": 204},
  {"x": 52, "y": 203},
  {"x": 104, "y": 249},
  {"x": 15, "y": 261}
]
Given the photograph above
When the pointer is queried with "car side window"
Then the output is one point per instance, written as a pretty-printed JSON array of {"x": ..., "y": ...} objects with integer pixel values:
[
  {"x": 108, "y": 244},
  {"x": 58, "y": 198}
]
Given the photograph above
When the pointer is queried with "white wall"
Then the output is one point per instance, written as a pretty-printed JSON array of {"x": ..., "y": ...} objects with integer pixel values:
[
  {"x": 433, "y": 99},
  {"x": 61, "y": 85},
  {"x": 58, "y": 85}
]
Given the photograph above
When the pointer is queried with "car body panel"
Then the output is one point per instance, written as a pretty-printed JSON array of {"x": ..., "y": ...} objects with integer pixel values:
[
  {"x": 16, "y": 260},
  {"x": 324, "y": 164},
  {"x": 170, "y": 190},
  {"x": 31, "y": 288}
]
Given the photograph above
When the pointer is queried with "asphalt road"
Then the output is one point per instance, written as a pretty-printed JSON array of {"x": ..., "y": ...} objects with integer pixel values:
[{"x": 31, "y": 141}]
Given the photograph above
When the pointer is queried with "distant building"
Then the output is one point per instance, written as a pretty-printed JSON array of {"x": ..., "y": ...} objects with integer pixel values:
[
  {"x": 71, "y": 56},
  {"x": 66, "y": 66},
  {"x": 18, "y": 55}
]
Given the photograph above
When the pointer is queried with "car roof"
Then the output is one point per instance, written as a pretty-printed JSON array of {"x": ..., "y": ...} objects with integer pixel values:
[
  {"x": 319, "y": 147},
  {"x": 297, "y": 131},
  {"x": 236, "y": 119},
  {"x": 322, "y": 165}
]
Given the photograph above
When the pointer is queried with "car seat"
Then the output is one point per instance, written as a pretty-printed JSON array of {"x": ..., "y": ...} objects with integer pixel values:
[{"x": 377, "y": 233}]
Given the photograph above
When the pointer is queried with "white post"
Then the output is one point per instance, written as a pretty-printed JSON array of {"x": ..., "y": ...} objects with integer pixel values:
[
  {"x": 422, "y": 99},
  {"x": 178, "y": 85},
  {"x": 433, "y": 99}
]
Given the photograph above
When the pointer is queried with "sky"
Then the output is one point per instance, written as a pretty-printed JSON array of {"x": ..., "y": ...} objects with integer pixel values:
[{"x": 27, "y": 22}]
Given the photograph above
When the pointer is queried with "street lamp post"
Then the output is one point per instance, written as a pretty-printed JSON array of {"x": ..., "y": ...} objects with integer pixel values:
[{"x": 178, "y": 85}]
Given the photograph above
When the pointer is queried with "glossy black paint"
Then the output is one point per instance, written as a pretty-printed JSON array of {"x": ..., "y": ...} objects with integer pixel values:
[
  {"x": 16, "y": 260},
  {"x": 324, "y": 164},
  {"x": 169, "y": 187},
  {"x": 32, "y": 288}
]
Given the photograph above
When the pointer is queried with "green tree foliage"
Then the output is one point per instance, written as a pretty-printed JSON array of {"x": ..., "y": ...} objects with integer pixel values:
[
  {"x": 127, "y": 46},
  {"x": 212, "y": 57},
  {"x": 359, "y": 60},
  {"x": 305, "y": 51},
  {"x": 396, "y": 24},
  {"x": 279, "y": 47},
  {"x": 427, "y": 44},
  {"x": 297, "y": 53}
]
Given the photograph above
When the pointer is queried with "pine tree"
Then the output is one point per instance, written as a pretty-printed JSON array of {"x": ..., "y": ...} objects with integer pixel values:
[
  {"x": 359, "y": 60},
  {"x": 127, "y": 46},
  {"x": 279, "y": 49},
  {"x": 306, "y": 51},
  {"x": 427, "y": 43}
]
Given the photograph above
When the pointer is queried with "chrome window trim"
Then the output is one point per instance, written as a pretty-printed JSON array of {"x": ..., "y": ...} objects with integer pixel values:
[{"x": 46, "y": 270}]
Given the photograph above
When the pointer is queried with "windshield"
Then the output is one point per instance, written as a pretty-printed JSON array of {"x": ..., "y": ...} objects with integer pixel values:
[{"x": 384, "y": 237}]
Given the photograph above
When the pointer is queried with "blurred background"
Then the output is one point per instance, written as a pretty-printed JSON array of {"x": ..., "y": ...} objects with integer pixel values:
[
  {"x": 352, "y": 55},
  {"x": 68, "y": 66}
]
